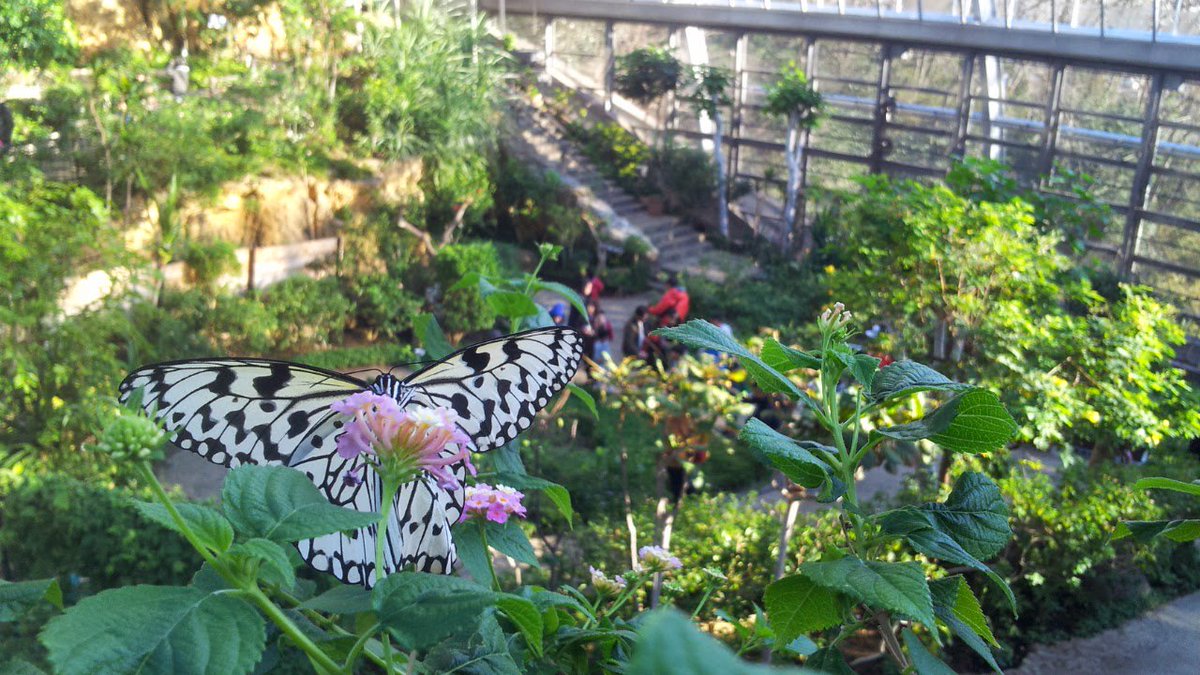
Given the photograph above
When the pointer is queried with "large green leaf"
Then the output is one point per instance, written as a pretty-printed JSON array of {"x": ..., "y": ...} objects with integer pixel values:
[
  {"x": 420, "y": 609},
  {"x": 509, "y": 539},
  {"x": 584, "y": 397},
  {"x": 923, "y": 661},
  {"x": 796, "y": 462},
  {"x": 474, "y": 555},
  {"x": 701, "y": 334},
  {"x": 975, "y": 515},
  {"x": 909, "y": 377},
  {"x": 156, "y": 629},
  {"x": 17, "y": 597},
  {"x": 283, "y": 505},
  {"x": 1143, "y": 531},
  {"x": 526, "y": 617},
  {"x": 566, "y": 292},
  {"x": 669, "y": 644},
  {"x": 274, "y": 565},
  {"x": 795, "y": 605},
  {"x": 341, "y": 599},
  {"x": 553, "y": 491},
  {"x": 426, "y": 327},
  {"x": 1156, "y": 483},
  {"x": 209, "y": 526},
  {"x": 512, "y": 304},
  {"x": 971, "y": 422},
  {"x": 898, "y": 587},
  {"x": 956, "y": 606},
  {"x": 862, "y": 366},
  {"x": 784, "y": 358}
]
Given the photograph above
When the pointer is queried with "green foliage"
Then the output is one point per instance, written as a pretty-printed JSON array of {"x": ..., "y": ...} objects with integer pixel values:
[
  {"x": 618, "y": 154},
  {"x": 283, "y": 505},
  {"x": 35, "y": 33},
  {"x": 780, "y": 294},
  {"x": 208, "y": 262},
  {"x": 463, "y": 310},
  {"x": 647, "y": 74},
  {"x": 536, "y": 206},
  {"x": 792, "y": 96},
  {"x": 309, "y": 312},
  {"x": 56, "y": 525},
  {"x": 685, "y": 175},
  {"x": 346, "y": 358},
  {"x": 381, "y": 303}
]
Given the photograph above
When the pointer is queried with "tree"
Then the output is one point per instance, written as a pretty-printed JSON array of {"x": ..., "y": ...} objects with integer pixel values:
[
  {"x": 793, "y": 97},
  {"x": 647, "y": 75},
  {"x": 710, "y": 94},
  {"x": 34, "y": 33}
]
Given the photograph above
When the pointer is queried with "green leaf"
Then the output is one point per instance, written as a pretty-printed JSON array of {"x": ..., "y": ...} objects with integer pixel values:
[
  {"x": 971, "y": 422},
  {"x": 669, "y": 644},
  {"x": 274, "y": 565},
  {"x": 420, "y": 609},
  {"x": 784, "y": 358},
  {"x": 954, "y": 594},
  {"x": 957, "y": 607},
  {"x": 975, "y": 515},
  {"x": 582, "y": 395},
  {"x": 773, "y": 448},
  {"x": 565, "y": 291},
  {"x": 283, "y": 505},
  {"x": 829, "y": 660},
  {"x": 509, "y": 539},
  {"x": 471, "y": 551},
  {"x": 512, "y": 304},
  {"x": 207, "y": 579},
  {"x": 1156, "y": 483},
  {"x": 803, "y": 646},
  {"x": 527, "y": 618},
  {"x": 909, "y": 377},
  {"x": 507, "y": 459},
  {"x": 899, "y": 587},
  {"x": 555, "y": 492},
  {"x": 924, "y": 662},
  {"x": 426, "y": 328},
  {"x": 796, "y": 606},
  {"x": 156, "y": 629},
  {"x": 701, "y": 334},
  {"x": 17, "y": 597},
  {"x": 1143, "y": 531},
  {"x": 341, "y": 599},
  {"x": 19, "y": 666},
  {"x": 861, "y": 366},
  {"x": 209, "y": 526}
]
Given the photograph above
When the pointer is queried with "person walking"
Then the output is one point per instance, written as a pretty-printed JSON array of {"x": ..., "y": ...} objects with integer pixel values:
[
  {"x": 634, "y": 337},
  {"x": 675, "y": 298},
  {"x": 603, "y": 334}
]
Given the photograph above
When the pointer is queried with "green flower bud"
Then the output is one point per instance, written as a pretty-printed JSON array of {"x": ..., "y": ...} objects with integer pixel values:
[{"x": 133, "y": 436}]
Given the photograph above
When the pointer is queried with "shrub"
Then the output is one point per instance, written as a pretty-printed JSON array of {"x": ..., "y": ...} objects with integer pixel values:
[
  {"x": 463, "y": 310},
  {"x": 647, "y": 74},
  {"x": 617, "y": 153},
  {"x": 208, "y": 262},
  {"x": 686, "y": 176},
  {"x": 345, "y": 358},
  {"x": 310, "y": 312},
  {"x": 59, "y": 526},
  {"x": 787, "y": 295},
  {"x": 535, "y": 206},
  {"x": 381, "y": 303}
]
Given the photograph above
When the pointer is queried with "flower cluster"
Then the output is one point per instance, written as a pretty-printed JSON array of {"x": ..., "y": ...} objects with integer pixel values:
[
  {"x": 835, "y": 317},
  {"x": 402, "y": 443},
  {"x": 495, "y": 503},
  {"x": 657, "y": 559},
  {"x": 133, "y": 436},
  {"x": 606, "y": 585}
]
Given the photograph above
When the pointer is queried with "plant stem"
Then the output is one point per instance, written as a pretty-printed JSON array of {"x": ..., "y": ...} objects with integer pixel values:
[
  {"x": 322, "y": 661},
  {"x": 358, "y": 648},
  {"x": 162, "y": 496},
  {"x": 488, "y": 554}
]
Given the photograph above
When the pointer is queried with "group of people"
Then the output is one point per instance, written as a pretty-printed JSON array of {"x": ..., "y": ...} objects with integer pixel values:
[{"x": 636, "y": 340}]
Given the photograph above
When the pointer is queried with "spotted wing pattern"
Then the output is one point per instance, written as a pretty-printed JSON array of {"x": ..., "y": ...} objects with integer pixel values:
[{"x": 497, "y": 387}]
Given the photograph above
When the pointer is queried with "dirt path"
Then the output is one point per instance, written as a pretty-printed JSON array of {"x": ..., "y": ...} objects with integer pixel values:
[{"x": 1163, "y": 642}]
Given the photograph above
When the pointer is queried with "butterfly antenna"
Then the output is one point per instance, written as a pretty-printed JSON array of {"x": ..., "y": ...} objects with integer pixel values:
[
  {"x": 410, "y": 364},
  {"x": 364, "y": 370}
]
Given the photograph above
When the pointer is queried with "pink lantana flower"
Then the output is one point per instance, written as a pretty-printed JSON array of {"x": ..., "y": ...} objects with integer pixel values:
[
  {"x": 657, "y": 559},
  {"x": 494, "y": 503},
  {"x": 402, "y": 443}
]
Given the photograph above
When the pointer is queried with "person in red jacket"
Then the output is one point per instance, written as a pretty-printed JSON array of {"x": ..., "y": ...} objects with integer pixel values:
[{"x": 675, "y": 298}]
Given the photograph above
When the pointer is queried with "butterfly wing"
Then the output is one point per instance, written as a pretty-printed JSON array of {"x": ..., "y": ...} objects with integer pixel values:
[
  {"x": 251, "y": 411},
  {"x": 497, "y": 387}
]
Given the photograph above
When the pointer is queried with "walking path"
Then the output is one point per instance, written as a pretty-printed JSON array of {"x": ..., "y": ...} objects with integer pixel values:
[{"x": 1164, "y": 641}]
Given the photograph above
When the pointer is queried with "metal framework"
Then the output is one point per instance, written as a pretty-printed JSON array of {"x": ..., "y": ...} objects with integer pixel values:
[{"x": 1044, "y": 85}]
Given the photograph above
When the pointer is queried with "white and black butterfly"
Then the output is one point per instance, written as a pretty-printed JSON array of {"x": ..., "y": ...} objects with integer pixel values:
[{"x": 255, "y": 411}]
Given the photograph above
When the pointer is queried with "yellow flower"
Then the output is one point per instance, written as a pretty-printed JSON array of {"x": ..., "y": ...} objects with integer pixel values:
[
  {"x": 830, "y": 269},
  {"x": 1092, "y": 416}
]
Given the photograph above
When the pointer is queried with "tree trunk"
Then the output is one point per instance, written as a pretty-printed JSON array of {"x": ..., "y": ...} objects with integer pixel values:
[
  {"x": 789, "y": 524},
  {"x": 793, "y": 182},
  {"x": 722, "y": 187}
]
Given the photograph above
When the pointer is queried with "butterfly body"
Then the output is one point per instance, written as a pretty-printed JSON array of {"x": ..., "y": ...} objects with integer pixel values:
[{"x": 257, "y": 411}]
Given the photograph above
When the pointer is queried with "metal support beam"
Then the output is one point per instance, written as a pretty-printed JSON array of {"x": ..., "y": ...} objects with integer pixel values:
[
  {"x": 963, "y": 122},
  {"x": 741, "y": 86},
  {"x": 610, "y": 65},
  {"x": 884, "y": 103},
  {"x": 1141, "y": 178},
  {"x": 1050, "y": 121}
]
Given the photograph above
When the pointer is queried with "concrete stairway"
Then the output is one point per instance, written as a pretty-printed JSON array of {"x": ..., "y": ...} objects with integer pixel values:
[{"x": 536, "y": 136}]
